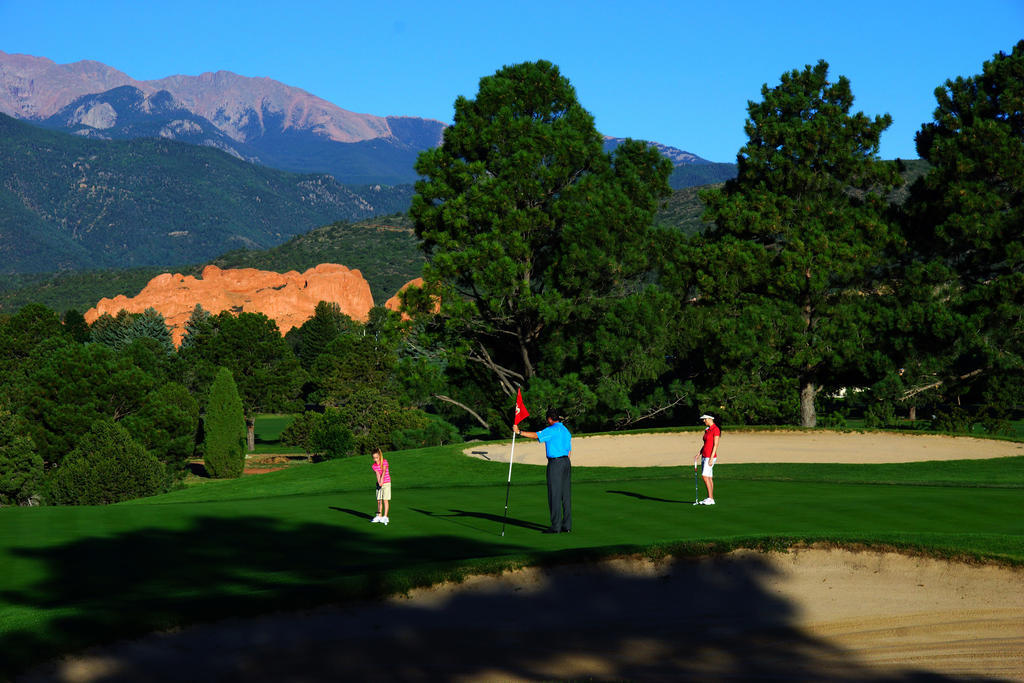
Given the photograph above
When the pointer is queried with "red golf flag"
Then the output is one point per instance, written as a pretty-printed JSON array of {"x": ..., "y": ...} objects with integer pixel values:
[{"x": 521, "y": 411}]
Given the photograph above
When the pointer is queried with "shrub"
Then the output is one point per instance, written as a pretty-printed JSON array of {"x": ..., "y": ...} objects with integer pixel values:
[
  {"x": 436, "y": 432},
  {"x": 330, "y": 437},
  {"x": 879, "y": 415},
  {"x": 834, "y": 420},
  {"x": 953, "y": 419},
  {"x": 224, "y": 426},
  {"x": 996, "y": 421},
  {"x": 107, "y": 466},
  {"x": 300, "y": 431}
]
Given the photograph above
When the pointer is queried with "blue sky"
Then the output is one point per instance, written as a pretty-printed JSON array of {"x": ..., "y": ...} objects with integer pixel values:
[{"x": 680, "y": 73}]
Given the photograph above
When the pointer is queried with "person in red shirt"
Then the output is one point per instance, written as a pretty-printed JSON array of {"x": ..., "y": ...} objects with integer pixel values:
[{"x": 708, "y": 455}]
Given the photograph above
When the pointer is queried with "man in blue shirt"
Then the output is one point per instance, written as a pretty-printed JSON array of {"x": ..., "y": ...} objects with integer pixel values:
[{"x": 558, "y": 443}]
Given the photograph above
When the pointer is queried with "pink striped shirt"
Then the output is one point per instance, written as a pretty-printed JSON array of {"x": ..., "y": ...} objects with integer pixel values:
[{"x": 386, "y": 479}]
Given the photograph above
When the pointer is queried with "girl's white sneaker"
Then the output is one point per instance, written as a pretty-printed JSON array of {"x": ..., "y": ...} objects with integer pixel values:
[
  {"x": 376, "y": 519},
  {"x": 384, "y": 521}
]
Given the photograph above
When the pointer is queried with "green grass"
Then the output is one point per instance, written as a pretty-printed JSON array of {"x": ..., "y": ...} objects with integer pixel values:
[
  {"x": 268, "y": 427},
  {"x": 73, "y": 577},
  {"x": 268, "y": 435}
]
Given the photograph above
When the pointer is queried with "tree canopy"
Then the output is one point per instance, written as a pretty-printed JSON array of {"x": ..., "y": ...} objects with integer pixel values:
[
  {"x": 532, "y": 232},
  {"x": 965, "y": 221},
  {"x": 790, "y": 272}
]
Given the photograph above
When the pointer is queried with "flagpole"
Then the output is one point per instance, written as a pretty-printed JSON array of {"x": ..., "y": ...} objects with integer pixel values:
[
  {"x": 521, "y": 413},
  {"x": 508, "y": 488}
]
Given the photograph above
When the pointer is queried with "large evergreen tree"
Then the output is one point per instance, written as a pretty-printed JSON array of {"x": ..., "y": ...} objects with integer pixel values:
[
  {"x": 166, "y": 425},
  {"x": 72, "y": 387},
  {"x": 966, "y": 227},
  {"x": 534, "y": 235},
  {"x": 25, "y": 337},
  {"x": 309, "y": 340},
  {"x": 788, "y": 275}
]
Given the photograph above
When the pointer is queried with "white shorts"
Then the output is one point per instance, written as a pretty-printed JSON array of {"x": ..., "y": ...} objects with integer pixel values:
[
  {"x": 384, "y": 492},
  {"x": 708, "y": 464}
]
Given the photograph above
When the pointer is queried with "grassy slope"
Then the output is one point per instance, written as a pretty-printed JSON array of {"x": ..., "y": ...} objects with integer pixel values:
[{"x": 75, "y": 576}]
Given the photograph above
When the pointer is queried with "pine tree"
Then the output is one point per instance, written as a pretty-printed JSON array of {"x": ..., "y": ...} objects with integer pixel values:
[
  {"x": 316, "y": 333},
  {"x": 533, "y": 236},
  {"x": 788, "y": 273},
  {"x": 197, "y": 328},
  {"x": 224, "y": 428},
  {"x": 966, "y": 227}
]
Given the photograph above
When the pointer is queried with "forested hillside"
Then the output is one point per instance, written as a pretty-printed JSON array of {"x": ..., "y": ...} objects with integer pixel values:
[
  {"x": 384, "y": 249},
  {"x": 68, "y": 203}
]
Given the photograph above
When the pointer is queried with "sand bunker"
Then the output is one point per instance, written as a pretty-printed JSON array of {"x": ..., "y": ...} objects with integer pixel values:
[
  {"x": 666, "y": 450},
  {"x": 811, "y": 614}
]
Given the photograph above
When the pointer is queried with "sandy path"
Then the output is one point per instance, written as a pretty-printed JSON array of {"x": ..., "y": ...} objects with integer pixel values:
[{"x": 662, "y": 450}]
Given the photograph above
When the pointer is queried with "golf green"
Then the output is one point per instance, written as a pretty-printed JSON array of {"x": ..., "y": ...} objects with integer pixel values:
[{"x": 76, "y": 576}]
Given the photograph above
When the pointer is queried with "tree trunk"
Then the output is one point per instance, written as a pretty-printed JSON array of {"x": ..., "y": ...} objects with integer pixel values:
[
  {"x": 808, "y": 418},
  {"x": 250, "y": 433},
  {"x": 913, "y": 413}
]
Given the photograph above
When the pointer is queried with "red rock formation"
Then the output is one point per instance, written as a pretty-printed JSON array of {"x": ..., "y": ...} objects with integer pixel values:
[
  {"x": 394, "y": 302},
  {"x": 288, "y": 298}
]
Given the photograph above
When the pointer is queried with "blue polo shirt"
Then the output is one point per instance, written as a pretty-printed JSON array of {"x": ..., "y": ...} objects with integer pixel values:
[{"x": 556, "y": 439}]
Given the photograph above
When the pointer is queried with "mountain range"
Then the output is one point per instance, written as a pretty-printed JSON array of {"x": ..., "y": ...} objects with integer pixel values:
[
  {"x": 257, "y": 119},
  {"x": 99, "y": 170}
]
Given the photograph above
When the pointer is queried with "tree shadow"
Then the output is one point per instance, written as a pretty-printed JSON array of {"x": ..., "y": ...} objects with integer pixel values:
[
  {"x": 104, "y": 587},
  {"x": 708, "y": 617}
]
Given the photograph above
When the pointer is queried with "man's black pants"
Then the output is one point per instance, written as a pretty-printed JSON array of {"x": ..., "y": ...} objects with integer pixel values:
[{"x": 559, "y": 473}]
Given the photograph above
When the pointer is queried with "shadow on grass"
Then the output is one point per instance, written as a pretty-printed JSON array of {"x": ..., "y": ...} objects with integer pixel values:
[
  {"x": 642, "y": 496},
  {"x": 711, "y": 617},
  {"x": 498, "y": 520},
  {"x": 354, "y": 513}
]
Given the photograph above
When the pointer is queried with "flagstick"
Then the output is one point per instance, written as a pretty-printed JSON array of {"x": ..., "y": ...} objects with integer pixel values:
[{"x": 508, "y": 488}]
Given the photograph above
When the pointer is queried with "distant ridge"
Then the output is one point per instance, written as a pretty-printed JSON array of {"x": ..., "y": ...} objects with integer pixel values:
[
  {"x": 36, "y": 88},
  {"x": 256, "y": 119}
]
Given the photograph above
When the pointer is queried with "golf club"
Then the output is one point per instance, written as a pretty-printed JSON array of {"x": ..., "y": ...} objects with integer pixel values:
[{"x": 696, "y": 485}]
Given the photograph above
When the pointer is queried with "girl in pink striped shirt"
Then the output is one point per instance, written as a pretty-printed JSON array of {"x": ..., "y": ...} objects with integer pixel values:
[{"x": 380, "y": 468}]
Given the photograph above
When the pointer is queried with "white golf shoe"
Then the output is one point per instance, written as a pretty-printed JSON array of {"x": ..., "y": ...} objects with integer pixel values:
[
  {"x": 708, "y": 501},
  {"x": 376, "y": 519},
  {"x": 385, "y": 521}
]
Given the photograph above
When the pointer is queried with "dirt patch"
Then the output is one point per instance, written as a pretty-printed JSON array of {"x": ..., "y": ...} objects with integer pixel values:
[
  {"x": 667, "y": 450},
  {"x": 812, "y": 614}
]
